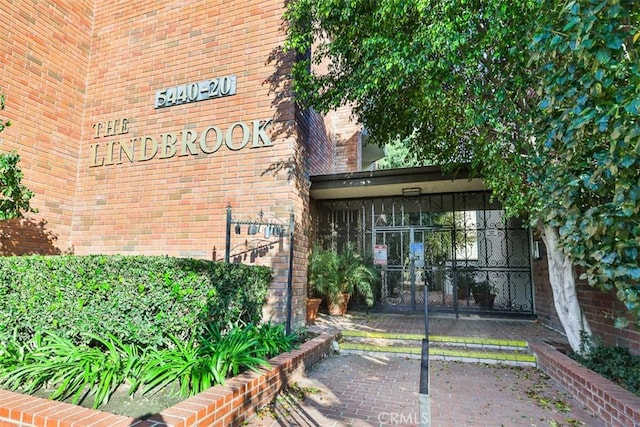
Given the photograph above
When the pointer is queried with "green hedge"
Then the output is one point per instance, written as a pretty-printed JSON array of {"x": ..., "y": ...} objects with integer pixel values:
[{"x": 138, "y": 299}]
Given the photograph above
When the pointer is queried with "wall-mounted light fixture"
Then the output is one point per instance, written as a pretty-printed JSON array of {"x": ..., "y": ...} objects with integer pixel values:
[
  {"x": 536, "y": 249},
  {"x": 412, "y": 191}
]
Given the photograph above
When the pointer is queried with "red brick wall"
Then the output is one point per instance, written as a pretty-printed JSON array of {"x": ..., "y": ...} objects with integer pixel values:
[
  {"x": 347, "y": 137},
  {"x": 43, "y": 66},
  {"x": 333, "y": 142},
  {"x": 176, "y": 206},
  {"x": 599, "y": 307},
  {"x": 76, "y": 66},
  {"x": 544, "y": 307},
  {"x": 335, "y": 139},
  {"x": 320, "y": 149},
  {"x": 611, "y": 403}
]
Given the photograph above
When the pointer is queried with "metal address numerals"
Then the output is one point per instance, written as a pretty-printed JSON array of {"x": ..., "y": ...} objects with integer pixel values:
[{"x": 193, "y": 92}]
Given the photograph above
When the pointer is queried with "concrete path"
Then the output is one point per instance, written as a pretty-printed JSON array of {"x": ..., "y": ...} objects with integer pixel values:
[{"x": 364, "y": 390}]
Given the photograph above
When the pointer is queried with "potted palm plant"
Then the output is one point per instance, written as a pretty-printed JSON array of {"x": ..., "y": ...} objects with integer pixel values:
[{"x": 334, "y": 276}]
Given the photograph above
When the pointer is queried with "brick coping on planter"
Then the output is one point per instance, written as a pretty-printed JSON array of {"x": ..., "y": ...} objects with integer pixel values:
[
  {"x": 226, "y": 405},
  {"x": 603, "y": 398}
]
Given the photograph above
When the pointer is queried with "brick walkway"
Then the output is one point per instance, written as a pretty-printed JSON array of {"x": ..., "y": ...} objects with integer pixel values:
[{"x": 358, "y": 390}]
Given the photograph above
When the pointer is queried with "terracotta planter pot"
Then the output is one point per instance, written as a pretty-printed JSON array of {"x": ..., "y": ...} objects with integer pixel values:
[
  {"x": 462, "y": 293},
  {"x": 313, "y": 305},
  {"x": 340, "y": 307},
  {"x": 484, "y": 301}
]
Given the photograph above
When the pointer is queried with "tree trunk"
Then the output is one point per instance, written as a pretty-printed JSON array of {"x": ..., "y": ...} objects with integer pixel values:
[{"x": 563, "y": 284}]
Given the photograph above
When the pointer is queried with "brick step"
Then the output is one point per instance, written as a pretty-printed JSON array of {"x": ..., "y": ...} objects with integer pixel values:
[{"x": 465, "y": 349}]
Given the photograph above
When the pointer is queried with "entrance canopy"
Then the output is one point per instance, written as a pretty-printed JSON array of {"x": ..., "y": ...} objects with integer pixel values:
[
  {"x": 431, "y": 230},
  {"x": 392, "y": 182}
]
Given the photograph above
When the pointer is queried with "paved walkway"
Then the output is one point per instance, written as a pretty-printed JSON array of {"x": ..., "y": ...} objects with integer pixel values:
[{"x": 360, "y": 390}]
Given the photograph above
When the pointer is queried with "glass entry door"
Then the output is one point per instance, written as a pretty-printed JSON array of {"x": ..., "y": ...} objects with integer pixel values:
[{"x": 415, "y": 256}]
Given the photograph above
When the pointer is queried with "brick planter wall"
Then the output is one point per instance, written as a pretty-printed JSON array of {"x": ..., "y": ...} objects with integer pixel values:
[
  {"x": 226, "y": 405},
  {"x": 605, "y": 399}
]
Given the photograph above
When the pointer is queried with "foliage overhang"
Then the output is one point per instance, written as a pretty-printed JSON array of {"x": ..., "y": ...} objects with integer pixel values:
[{"x": 542, "y": 97}]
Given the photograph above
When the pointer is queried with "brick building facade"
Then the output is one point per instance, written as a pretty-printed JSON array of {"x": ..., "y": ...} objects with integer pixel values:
[{"x": 112, "y": 173}]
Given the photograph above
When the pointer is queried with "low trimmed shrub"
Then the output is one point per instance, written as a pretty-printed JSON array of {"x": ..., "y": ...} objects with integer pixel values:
[{"x": 138, "y": 300}]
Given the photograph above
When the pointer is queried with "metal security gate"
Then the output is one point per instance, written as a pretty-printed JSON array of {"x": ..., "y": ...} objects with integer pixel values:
[
  {"x": 472, "y": 258},
  {"x": 415, "y": 255}
]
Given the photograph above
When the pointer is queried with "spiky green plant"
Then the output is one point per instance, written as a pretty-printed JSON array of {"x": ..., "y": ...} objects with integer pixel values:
[
  {"x": 70, "y": 370},
  {"x": 204, "y": 362},
  {"x": 182, "y": 364},
  {"x": 78, "y": 371},
  {"x": 273, "y": 339},
  {"x": 332, "y": 272}
]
